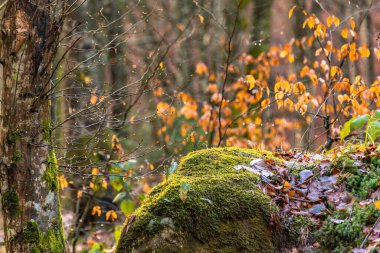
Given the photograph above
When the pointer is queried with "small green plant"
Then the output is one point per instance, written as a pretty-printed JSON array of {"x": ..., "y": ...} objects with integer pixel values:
[{"x": 372, "y": 129}]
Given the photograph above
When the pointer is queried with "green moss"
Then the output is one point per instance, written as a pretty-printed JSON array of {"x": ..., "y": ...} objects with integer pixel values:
[
  {"x": 224, "y": 210},
  {"x": 345, "y": 164},
  {"x": 52, "y": 241},
  {"x": 51, "y": 173},
  {"x": 47, "y": 130},
  {"x": 361, "y": 177},
  {"x": 17, "y": 156},
  {"x": 301, "y": 229},
  {"x": 10, "y": 202},
  {"x": 35, "y": 250},
  {"x": 31, "y": 233},
  {"x": 348, "y": 233},
  {"x": 13, "y": 136},
  {"x": 219, "y": 161}
]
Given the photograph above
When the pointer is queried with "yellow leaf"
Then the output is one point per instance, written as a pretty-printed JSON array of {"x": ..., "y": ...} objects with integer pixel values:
[
  {"x": 291, "y": 193},
  {"x": 344, "y": 33},
  {"x": 330, "y": 20},
  {"x": 63, "y": 182},
  {"x": 352, "y": 23},
  {"x": 93, "y": 99},
  {"x": 146, "y": 188},
  {"x": 87, "y": 80},
  {"x": 250, "y": 80},
  {"x": 377, "y": 53},
  {"x": 201, "y": 69},
  {"x": 96, "y": 211},
  {"x": 287, "y": 185},
  {"x": 333, "y": 20},
  {"x": 377, "y": 204},
  {"x": 161, "y": 65},
  {"x": 284, "y": 53},
  {"x": 364, "y": 51},
  {"x": 265, "y": 103},
  {"x": 291, "y": 11},
  {"x": 95, "y": 171},
  {"x": 336, "y": 21},
  {"x": 201, "y": 19},
  {"x": 104, "y": 184},
  {"x": 291, "y": 58},
  {"x": 334, "y": 71},
  {"x": 132, "y": 120}
]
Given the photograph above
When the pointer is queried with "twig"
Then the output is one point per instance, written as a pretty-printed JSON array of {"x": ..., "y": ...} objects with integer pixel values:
[{"x": 229, "y": 45}]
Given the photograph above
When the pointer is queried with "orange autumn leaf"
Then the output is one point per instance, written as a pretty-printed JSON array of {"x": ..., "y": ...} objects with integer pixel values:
[
  {"x": 377, "y": 204},
  {"x": 201, "y": 69},
  {"x": 111, "y": 215},
  {"x": 352, "y": 23},
  {"x": 104, "y": 184},
  {"x": 63, "y": 182},
  {"x": 286, "y": 185},
  {"x": 334, "y": 71},
  {"x": 291, "y": 193},
  {"x": 265, "y": 103},
  {"x": 364, "y": 51},
  {"x": 332, "y": 20},
  {"x": 162, "y": 108},
  {"x": 290, "y": 14},
  {"x": 96, "y": 210},
  {"x": 95, "y": 171},
  {"x": 377, "y": 53},
  {"x": 146, "y": 188},
  {"x": 212, "y": 88},
  {"x": 250, "y": 80},
  {"x": 344, "y": 33},
  {"x": 201, "y": 18},
  {"x": 93, "y": 99}
]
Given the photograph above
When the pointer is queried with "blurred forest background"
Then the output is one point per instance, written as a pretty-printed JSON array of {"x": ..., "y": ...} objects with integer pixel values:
[{"x": 141, "y": 83}]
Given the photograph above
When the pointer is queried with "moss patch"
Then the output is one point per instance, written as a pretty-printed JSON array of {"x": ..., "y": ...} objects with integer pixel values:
[
  {"x": 31, "y": 233},
  {"x": 13, "y": 136},
  {"x": 224, "y": 210},
  {"x": 342, "y": 231},
  {"x": 47, "y": 130},
  {"x": 52, "y": 241},
  {"x": 51, "y": 173},
  {"x": 348, "y": 234},
  {"x": 17, "y": 156},
  {"x": 10, "y": 202}
]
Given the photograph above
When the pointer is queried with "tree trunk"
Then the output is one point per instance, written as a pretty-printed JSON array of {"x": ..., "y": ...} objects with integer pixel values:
[{"x": 28, "y": 169}]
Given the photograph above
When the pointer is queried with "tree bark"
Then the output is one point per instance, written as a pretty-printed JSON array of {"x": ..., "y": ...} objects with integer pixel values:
[{"x": 29, "y": 39}]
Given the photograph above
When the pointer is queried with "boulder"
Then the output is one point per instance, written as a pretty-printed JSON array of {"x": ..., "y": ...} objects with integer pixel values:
[{"x": 208, "y": 205}]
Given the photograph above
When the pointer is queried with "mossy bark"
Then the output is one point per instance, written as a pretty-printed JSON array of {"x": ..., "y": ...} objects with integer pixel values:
[
  {"x": 206, "y": 206},
  {"x": 28, "y": 171}
]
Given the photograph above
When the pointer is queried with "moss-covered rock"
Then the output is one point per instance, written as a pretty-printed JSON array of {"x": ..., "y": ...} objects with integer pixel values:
[{"x": 207, "y": 206}]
